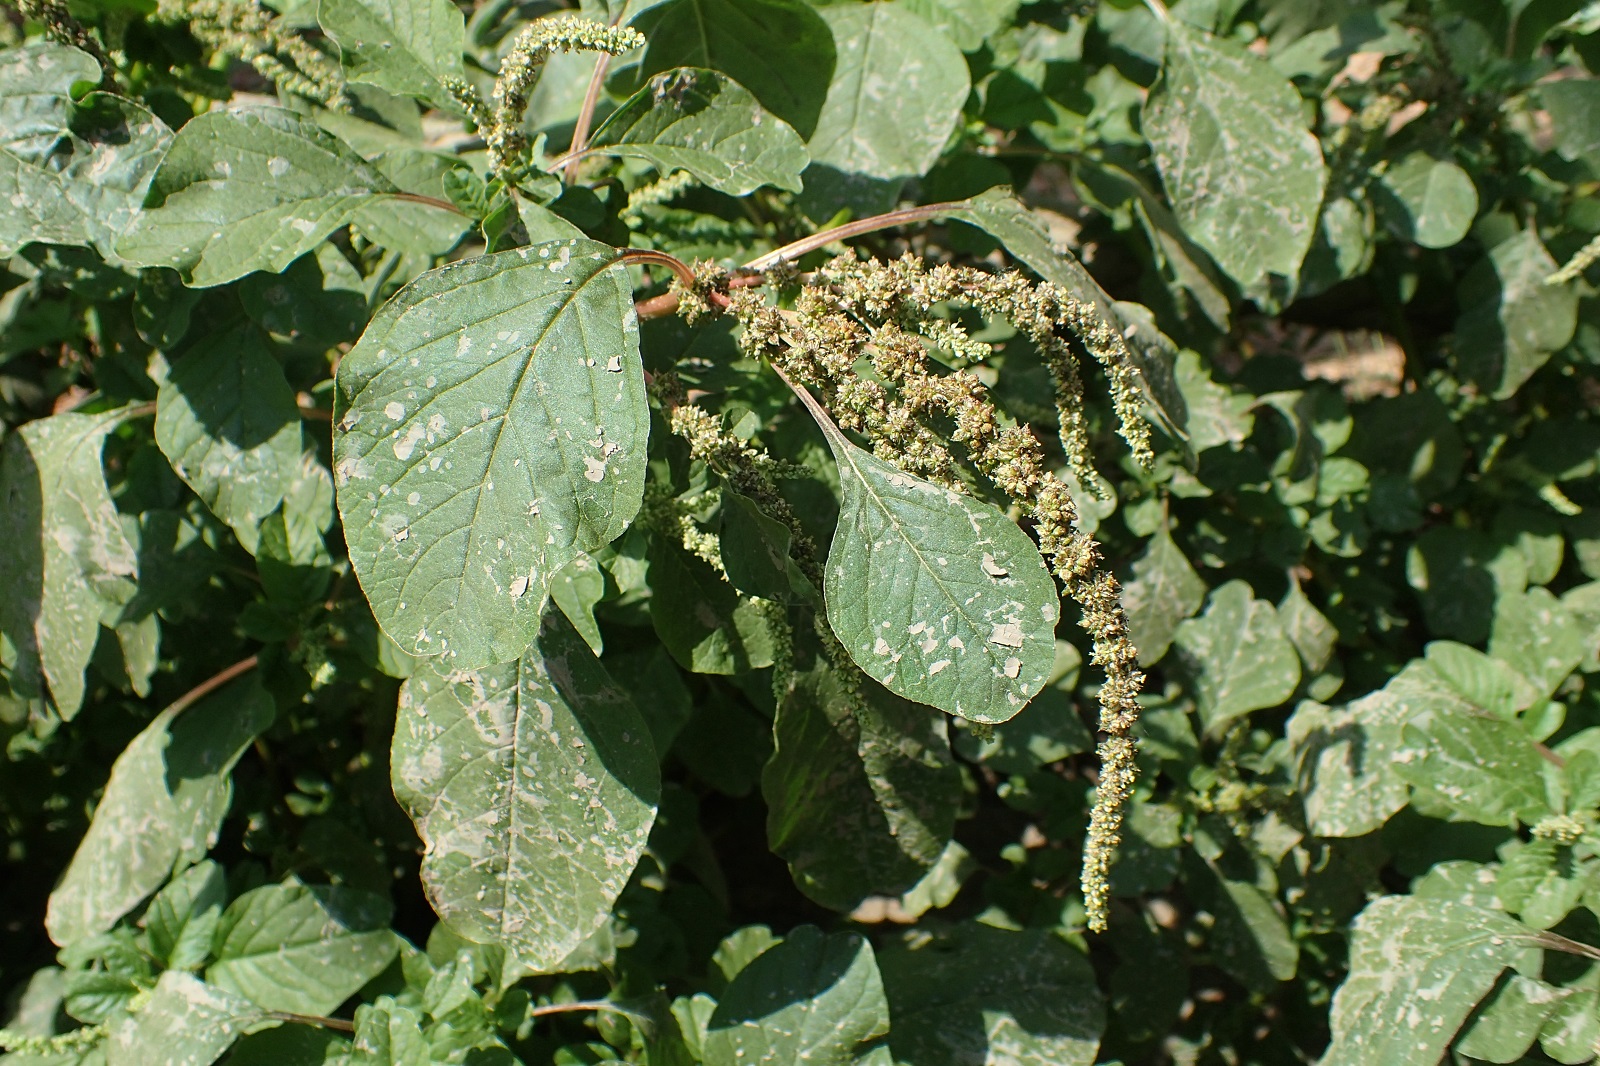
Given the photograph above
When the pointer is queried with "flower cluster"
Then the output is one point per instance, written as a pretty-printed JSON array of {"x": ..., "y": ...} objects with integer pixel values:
[
  {"x": 886, "y": 312},
  {"x": 519, "y": 72},
  {"x": 245, "y": 29}
]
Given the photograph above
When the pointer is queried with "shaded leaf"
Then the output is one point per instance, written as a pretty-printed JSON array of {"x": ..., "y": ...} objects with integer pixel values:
[
  {"x": 813, "y": 998},
  {"x": 861, "y": 790},
  {"x": 1164, "y": 591},
  {"x": 490, "y": 426},
  {"x": 1542, "y": 640},
  {"x": 302, "y": 948},
  {"x": 534, "y": 785},
  {"x": 36, "y": 83},
  {"x": 1243, "y": 173},
  {"x": 896, "y": 93},
  {"x": 1512, "y": 321},
  {"x": 976, "y": 994},
  {"x": 183, "y": 916},
  {"x": 703, "y": 122},
  {"x": 168, "y": 793},
  {"x": 780, "y": 50},
  {"x": 937, "y": 596},
  {"x": 706, "y": 625},
  {"x": 227, "y": 420},
  {"x": 966, "y": 22},
  {"x": 67, "y": 558}
]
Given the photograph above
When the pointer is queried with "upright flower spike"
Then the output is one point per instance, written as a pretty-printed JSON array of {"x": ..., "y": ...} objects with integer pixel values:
[{"x": 519, "y": 72}]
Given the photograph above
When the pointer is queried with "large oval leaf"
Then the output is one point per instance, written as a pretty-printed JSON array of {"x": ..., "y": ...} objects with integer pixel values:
[
  {"x": 1243, "y": 173},
  {"x": 534, "y": 785},
  {"x": 709, "y": 125},
  {"x": 248, "y": 189},
  {"x": 896, "y": 96},
  {"x": 780, "y": 50},
  {"x": 937, "y": 596},
  {"x": 491, "y": 425}
]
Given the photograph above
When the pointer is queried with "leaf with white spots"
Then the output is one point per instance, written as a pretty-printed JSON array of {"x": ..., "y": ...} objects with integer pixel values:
[
  {"x": 812, "y": 998},
  {"x": 227, "y": 421},
  {"x": 302, "y": 948},
  {"x": 1427, "y": 200},
  {"x": 936, "y": 595},
  {"x": 533, "y": 785},
  {"x": 402, "y": 46},
  {"x": 861, "y": 792},
  {"x": 89, "y": 188},
  {"x": 36, "y": 83},
  {"x": 181, "y": 918},
  {"x": 896, "y": 95},
  {"x": 66, "y": 558},
  {"x": 1536, "y": 635},
  {"x": 1239, "y": 656},
  {"x": 977, "y": 994},
  {"x": 1229, "y": 136},
  {"x": 185, "y": 1022},
  {"x": 490, "y": 426},
  {"x": 248, "y": 189},
  {"x": 1418, "y": 967},
  {"x": 1512, "y": 321},
  {"x": 168, "y": 793},
  {"x": 708, "y": 124},
  {"x": 388, "y": 1034}
]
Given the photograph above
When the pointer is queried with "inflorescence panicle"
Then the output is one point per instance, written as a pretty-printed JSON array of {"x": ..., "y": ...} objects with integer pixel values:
[
  {"x": 245, "y": 29},
  {"x": 519, "y": 72},
  {"x": 1581, "y": 260},
  {"x": 882, "y": 311}
]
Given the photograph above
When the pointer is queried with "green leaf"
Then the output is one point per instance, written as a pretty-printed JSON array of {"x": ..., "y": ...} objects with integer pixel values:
[
  {"x": 534, "y": 786},
  {"x": 67, "y": 558},
  {"x": 1005, "y": 218},
  {"x": 1243, "y": 173},
  {"x": 168, "y": 793},
  {"x": 1539, "y": 638},
  {"x": 702, "y": 621},
  {"x": 413, "y": 227},
  {"x": 182, "y": 918},
  {"x": 980, "y": 994},
  {"x": 302, "y": 948},
  {"x": 36, "y": 83},
  {"x": 1239, "y": 655},
  {"x": 861, "y": 790},
  {"x": 1417, "y": 969},
  {"x": 1480, "y": 767},
  {"x": 576, "y": 589},
  {"x": 248, "y": 189},
  {"x": 937, "y": 596},
  {"x": 1250, "y": 938},
  {"x": 402, "y": 46},
  {"x": 780, "y": 50},
  {"x": 185, "y": 1022},
  {"x": 1570, "y": 1033},
  {"x": 1164, "y": 591},
  {"x": 1574, "y": 106},
  {"x": 90, "y": 189},
  {"x": 966, "y": 22},
  {"x": 1509, "y": 1021},
  {"x": 389, "y": 1034},
  {"x": 490, "y": 426},
  {"x": 896, "y": 94},
  {"x": 1429, "y": 201},
  {"x": 1513, "y": 321},
  {"x": 706, "y": 123},
  {"x": 227, "y": 420},
  {"x": 1542, "y": 882},
  {"x": 813, "y": 998},
  {"x": 755, "y": 552}
]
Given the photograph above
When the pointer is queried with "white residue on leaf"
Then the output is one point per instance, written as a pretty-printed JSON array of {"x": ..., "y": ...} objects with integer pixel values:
[
  {"x": 277, "y": 166},
  {"x": 408, "y": 443},
  {"x": 992, "y": 568},
  {"x": 394, "y": 410},
  {"x": 934, "y": 668},
  {"x": 1013, "y": 666},
  {"x": 594, "y": 469},
  {"x": 1007, "y": 634}
]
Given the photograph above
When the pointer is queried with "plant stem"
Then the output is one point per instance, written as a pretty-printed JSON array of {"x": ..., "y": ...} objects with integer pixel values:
[
  {"x": 418, "y": 198},
  {"x": 861, "y": 226},
  {"x": 312, "y": 1019},
  {"x": 580, "y": 132},
  {"x": 212, "y": 683},
  {"x": 584, "y": 1004},
  {"x": 672, "y": 263}
]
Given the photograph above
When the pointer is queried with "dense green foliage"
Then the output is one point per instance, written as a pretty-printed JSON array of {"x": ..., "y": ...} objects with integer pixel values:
[{"x": 528, "y": 538}]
